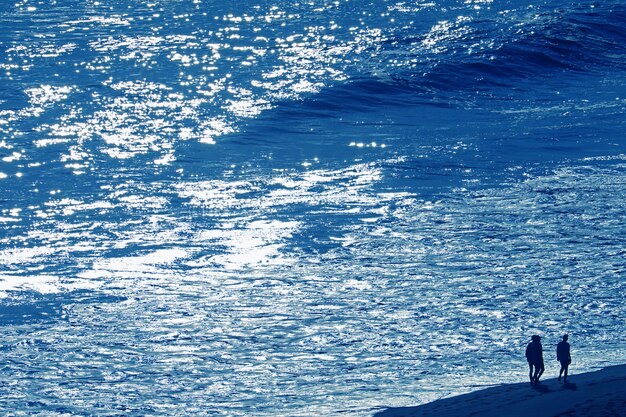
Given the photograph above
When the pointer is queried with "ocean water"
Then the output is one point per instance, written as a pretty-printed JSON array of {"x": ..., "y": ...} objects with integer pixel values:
[{"x": 311, "y": 208}]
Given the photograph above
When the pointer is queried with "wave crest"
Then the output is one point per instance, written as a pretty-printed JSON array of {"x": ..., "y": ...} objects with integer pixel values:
[{"x": 475, "y": 54}]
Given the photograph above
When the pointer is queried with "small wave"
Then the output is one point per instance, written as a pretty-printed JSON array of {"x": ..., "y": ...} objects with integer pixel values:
[
  {"x": 507, "y": 50},
  {"x": 456, "y": 63}
]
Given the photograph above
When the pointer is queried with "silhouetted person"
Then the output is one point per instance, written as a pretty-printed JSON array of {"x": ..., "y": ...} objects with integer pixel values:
[
  {"x": 534, "y": 356},
  {"x": 563, "y": 356}
]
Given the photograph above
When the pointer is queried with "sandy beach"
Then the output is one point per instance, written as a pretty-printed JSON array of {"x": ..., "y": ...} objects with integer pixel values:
[{"x": 594, "y": 394}]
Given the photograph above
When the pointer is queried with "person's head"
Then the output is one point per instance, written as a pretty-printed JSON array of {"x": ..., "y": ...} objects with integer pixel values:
[
  {"x": 565, "y": 337},
  {"x": 535, "y": 338}
]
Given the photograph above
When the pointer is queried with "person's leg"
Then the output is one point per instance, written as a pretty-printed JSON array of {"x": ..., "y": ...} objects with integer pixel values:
[
  {"x": 561, "y": 370},
  {"x": 530, "y": 372},
  {"x": 538, "y": 371},
  {"x": 565, "y": 366}
]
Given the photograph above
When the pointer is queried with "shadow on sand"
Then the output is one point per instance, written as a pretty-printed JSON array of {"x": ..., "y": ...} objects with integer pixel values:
[{"x": 570, "y": 386}]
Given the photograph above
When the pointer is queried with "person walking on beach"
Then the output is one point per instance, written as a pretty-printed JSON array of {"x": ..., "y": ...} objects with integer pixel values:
[
  {"x": 534, "y": 356},
  {"x": 563, "y": 356}
]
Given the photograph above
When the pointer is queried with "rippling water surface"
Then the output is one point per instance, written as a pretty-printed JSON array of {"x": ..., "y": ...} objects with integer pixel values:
[{"x": 304, "y": 208}]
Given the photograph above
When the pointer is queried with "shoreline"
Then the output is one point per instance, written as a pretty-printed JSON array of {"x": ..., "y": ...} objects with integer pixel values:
[{"x": 599, "y": 393}]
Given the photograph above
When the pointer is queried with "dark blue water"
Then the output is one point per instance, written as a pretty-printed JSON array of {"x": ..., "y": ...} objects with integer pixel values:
[{"x": 315, "y": 208}]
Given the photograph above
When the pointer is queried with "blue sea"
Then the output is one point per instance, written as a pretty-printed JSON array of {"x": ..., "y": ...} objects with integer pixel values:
[{"x": 305, "y": 208}]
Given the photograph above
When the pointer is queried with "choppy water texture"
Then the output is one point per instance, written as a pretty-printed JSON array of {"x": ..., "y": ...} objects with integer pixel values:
[{"x": 304, "y": 208}]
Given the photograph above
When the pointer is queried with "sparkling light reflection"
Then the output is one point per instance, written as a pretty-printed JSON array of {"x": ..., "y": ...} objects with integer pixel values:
[{"x": 266, "y": 274}]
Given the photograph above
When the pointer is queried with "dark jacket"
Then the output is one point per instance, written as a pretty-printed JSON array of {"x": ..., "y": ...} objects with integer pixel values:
[
  {"x": 562, "y": 352},
  {"x": 534, "y": 353}
]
